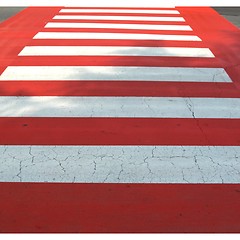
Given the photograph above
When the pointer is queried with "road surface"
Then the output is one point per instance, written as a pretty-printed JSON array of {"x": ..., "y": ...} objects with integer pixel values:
[
  {"x": 119, "y": 120},
  {"x": 232, "y": 14},
  {"x": 7, "y": 12}
]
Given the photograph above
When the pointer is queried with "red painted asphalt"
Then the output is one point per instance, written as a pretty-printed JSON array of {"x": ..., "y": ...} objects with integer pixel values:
[
  {"x": 79, "y": 207},
  {"x": 119, "y": 208},
  {"x": 119, "y": 131}
]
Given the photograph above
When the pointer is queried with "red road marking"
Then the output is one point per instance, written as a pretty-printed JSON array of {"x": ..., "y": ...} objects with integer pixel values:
[
  {"x": 119, "y": 131},
  {"x": 119, "y": 208},
  {"x": 23, "y": 27},
  {"x": 115, "y": 61},
  {"x": 27, "y": 207},
  {"x": 220, "y": 36},
  {"x": 113, "y": 88}
]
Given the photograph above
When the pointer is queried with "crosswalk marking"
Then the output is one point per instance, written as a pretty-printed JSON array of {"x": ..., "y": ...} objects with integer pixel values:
[
  {"x": 120, "y": 164},
  {"x": 129, "y": 18},
  {"x": 118, "y": 26},
  {"x": 92, "y": 35},
  {"x": 91, "y": 10},
  {"x": 96, "y": 125},
  {"x": 101, "y": 73},
  {"x": 114, "y": 51},
  {"x": 177, "y": 159},
  {"x": 120, "y": 107}
]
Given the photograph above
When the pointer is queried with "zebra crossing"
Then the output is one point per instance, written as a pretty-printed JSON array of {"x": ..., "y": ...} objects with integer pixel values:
[
  {"x": 107, "y": 126},
  {"x": 171, "y": 39}
]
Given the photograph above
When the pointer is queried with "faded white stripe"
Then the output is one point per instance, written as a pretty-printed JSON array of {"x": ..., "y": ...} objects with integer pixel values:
[
  {"x": 99, "y": 73},
  {"x": 128, "y": 18},
  {"x": 115, "y": 51},
  {"x": 118, "y": 26},
  {"x": 155, "y": 11},
  {"x": 131, "y": 107},
  {"x": 130, "y": 36},
  {"x": 120, "y": 164}
]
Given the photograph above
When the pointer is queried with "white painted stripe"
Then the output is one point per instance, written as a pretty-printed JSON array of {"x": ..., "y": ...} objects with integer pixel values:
[
  {"x": 131, "y": 107},
  {"x": 120, "y": 164},
  {"x": 99, "y": 73},
  {"x": 118, "y": 26},
  {"x": 128, "y": 18},
  {"x": 135, "y": 36},
  {"x": 155, "y": 11},
  {"x": 115, "y": 51}
]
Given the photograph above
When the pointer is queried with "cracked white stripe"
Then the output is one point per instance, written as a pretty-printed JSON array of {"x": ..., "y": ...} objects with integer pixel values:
[
  {"x": 132, "y": 107},
  {"x": 120, "y": 164}
]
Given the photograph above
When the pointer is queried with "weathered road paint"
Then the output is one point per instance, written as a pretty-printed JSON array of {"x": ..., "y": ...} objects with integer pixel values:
[
  {"x": 120, "y": 164},
  {"x": 107, "y": 207},
  {"x": 125, "y": 107}
]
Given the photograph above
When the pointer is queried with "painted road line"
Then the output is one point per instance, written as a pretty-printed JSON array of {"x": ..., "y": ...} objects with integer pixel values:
[
  {"x": 102, "y": 73},
  {"x": 91, "y": 35},
  {"x": 115, "y": 51},
  {"x": 120, "y": 164},
  {"x": 91, "y": 10},
  {"x": 118, "y": 26},
  {"x": 120, "y": 107},
  {"x": 124, "y": 18}
]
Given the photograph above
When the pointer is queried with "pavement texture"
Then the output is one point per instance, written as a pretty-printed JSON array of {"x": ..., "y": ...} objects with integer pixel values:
[
  {"x": 122, "y": 128},
  {"x": 7, "y": 12},
  {"x": 232, "y": 14}
]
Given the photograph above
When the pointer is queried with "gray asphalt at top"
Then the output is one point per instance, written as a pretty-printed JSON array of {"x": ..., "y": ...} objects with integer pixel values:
[
  {"x": 7, "y": 12},
  {"x": 232, "y": 14}
]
